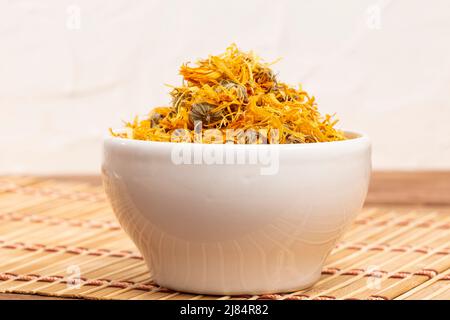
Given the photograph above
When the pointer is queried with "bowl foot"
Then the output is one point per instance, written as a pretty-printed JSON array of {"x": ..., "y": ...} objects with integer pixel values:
[{"x": 196, "y": 289}]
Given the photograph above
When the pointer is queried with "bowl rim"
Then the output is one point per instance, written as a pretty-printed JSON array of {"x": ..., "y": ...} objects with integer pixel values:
[{"x": 357, "y": 138}]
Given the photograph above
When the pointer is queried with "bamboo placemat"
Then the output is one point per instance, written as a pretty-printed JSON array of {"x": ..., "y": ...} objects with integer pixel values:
[{"x": 60, "y": 238}]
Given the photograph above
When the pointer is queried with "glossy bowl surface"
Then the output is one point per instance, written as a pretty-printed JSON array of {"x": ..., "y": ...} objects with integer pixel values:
[{"x": 262, "y": 223}]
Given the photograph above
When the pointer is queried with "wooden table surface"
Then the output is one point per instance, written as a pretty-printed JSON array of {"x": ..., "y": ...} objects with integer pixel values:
[{"x": 411, "y": 189}]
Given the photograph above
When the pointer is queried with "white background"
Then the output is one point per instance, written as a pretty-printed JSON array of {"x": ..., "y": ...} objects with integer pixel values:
[{"x": 71, "y": 69}]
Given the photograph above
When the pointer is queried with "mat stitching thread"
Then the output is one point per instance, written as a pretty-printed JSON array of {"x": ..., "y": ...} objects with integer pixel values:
[
  {"x": 430, "y": 273},
  {"x": 52, "y": 192},
  {"x": 134, "y": 255},
  {"x": 71, "y": 250},
  {"x": 14, "y": 216},
  {"x": 83, "y": 281},
  {"x": 60, "y": 221}
]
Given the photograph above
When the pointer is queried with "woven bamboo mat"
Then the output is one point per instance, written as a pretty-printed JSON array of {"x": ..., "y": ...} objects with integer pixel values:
[{"x": 60, "y": 238}]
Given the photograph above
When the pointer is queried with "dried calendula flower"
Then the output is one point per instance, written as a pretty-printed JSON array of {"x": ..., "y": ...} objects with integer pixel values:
[
  {"x": 155, "y": 117},
  {"x": 204, "y": 112},
  {"x": 290, "y": 139},
  {"x": 235, "y": 90},
  {"x": 266, "y": 78},
  {"x": 240, "y": 90},
  {"x": 180, "y": 96}
]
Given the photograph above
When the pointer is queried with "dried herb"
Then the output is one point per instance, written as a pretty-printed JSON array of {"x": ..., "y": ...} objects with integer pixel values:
[
  {"x": 204, "y": 112},
  {"x": 236, "y": 90},
  {"x": 241, "y": 91},
  {"x": 155, "y": 117}
]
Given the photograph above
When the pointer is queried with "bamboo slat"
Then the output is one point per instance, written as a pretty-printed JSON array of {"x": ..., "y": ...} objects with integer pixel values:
[{"x": 52, "y": 229}]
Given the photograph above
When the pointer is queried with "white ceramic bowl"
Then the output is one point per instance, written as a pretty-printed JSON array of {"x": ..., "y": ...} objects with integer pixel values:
[{"x": 244, "y": 228}]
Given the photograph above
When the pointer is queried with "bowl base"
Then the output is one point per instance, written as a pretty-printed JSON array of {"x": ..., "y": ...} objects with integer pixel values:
[{"x": 259, "y": 291}]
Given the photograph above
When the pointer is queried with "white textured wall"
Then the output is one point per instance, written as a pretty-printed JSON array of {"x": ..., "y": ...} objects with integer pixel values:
[{"x": 382, "y": 66}]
